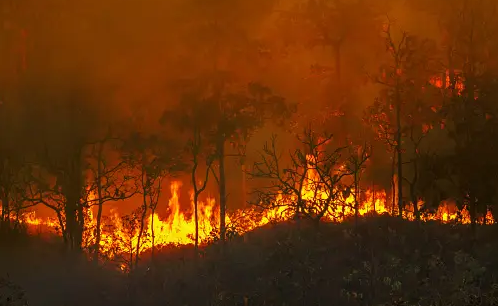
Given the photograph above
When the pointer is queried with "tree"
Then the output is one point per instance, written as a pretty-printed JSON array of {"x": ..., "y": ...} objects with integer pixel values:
[
  {"x": 192, "y": 118},
  {"x": 358, "y": 156},
  {"x": 241, "y": 114},
  {"x": 412, "y": 62},
  {"x": 471, "y": 125},
  {"x": 468, "y": 112},
  {"x": 222, "y": 73},
  {"x": 154, "y": 158},
  {"x": 467, "y": 31},
  {"x": 111, "y": 179},
  {"x": 64, "y": 121},
  {"x": 310, "y": 185},
  {"x": 215, "y": 108},
  {"x": 334, "y": 24},
  {"x": 12, "y": 155}
]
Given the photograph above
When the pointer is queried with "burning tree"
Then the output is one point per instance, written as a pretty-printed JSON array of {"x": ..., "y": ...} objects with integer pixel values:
[
  {"x": 64, "y": 158},
  {"x": 310, "y": 185},
  {"x": 60, "y": 157},
  {"x": 13, "y": 156},
  {"x": 219, "y": 111},
  {"x": 110, "y": 179},
  {"x": 404, "y": 103},
  {"x": 153, "y": 158},
  {"x": 355, "y": 165},
  {"x": 190, "y": 119}
]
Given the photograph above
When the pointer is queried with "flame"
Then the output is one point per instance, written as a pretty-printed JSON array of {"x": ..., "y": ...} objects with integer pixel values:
[
  {"x": 120, "y": 234},
  {"x": 445, "y": 81}
]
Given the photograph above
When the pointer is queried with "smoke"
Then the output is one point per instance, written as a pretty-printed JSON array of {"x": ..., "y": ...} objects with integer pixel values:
[{"x": 123, "y": 56}]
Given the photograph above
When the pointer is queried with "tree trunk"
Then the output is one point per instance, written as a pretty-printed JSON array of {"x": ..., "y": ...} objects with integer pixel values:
[
  {"x": 98, "y": 230},
  {"x": 399, "y": 151},
  {"x": 96, "y": 249},
  {"x": 222, "y": 188},
  {"x": 80, "y": 224},
  {"x": 356, "y": 206},
  {"x": 142, "y": 224},
  {"x": 244, "y": 183},
  {"x": 63, "y": 228},
  {"x": 196, "y": 219},
  {"x": 152, "y": 232},
  {"x": 72, "y": 190},
  {"x": 393, "y": 184},
  {"x": 74, "y": 219},
  {"x": 414, "y": 199},
  {"x": 413, "y": 193},
  {"x": 70, "y": 213}
]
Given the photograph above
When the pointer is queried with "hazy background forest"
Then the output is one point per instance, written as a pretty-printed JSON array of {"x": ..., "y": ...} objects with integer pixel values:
[
  {"x": 114, "y": 111},
  {"x": 126, "y": 57}
]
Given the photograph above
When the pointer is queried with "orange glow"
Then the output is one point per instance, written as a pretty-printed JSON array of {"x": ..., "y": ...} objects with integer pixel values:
[
  {"x": 178, "y": 228},
  {"x": 440, "y": 81}
]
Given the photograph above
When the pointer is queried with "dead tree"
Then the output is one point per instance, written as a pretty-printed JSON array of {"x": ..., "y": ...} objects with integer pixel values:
[
  {"x": 355, "y": 165},
  {"x": 196, "y": 147},
  {"x": 111, "y": 180},
  {"x": 310, "y": 184}
]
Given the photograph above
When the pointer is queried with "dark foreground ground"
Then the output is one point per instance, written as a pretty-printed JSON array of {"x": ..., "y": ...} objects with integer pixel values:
[{"x": 388, "y": 262}]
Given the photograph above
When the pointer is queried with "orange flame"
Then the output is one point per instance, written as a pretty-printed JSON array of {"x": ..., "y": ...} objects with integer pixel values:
[{"x": 119, "y": 237}]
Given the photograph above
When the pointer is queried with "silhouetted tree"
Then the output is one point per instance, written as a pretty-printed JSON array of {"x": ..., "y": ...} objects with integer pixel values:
[
  {"x": 111, "y": 179},
  {"x": 310, "y": 185},
  {"x": 192, "y": 118},
  {"x": 154, "y": 158},
  {"x": 356, "y": 164},
  {"x": 214, "y": 108},
  {"x": 412, "y": 62},
  {"x": 334, "y": 24}
]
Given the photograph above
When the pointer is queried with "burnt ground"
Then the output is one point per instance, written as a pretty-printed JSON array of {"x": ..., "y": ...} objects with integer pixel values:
[{"x": 382, "y": 261}]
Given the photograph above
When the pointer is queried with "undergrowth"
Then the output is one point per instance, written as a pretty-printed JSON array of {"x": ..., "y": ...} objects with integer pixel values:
[{"x": 382, "y": 261}]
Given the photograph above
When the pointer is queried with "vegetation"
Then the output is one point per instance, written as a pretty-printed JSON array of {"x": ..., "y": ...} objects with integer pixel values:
[{"x": 373, "y": 115}]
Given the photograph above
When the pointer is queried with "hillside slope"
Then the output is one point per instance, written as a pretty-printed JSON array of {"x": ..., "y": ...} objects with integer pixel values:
[{"x": 385, "y": 261}]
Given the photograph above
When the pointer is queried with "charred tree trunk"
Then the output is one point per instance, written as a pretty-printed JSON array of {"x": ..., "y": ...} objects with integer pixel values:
[
  {"x": 100, "y": 204},
  {"x": 63, "y": 227},
  {"x": 399, "y": 151},
  {"x": 244, "y": 183},
  {"x": 414, "y": 199},
  {"x": 196, "y": 204},
  {"x": 196, "y": 217},
  {"x": 143, "y": 215},
  {"x": 222, "y": 187},
  {"x": 152, "y": 232},
  {"x": 393, "y": 184},
  {"x": 356, "y": 204},
  {"x": 80, "y": 228},
  {"x": 71, "y": 219},
  {"x": 413, "y": 191},
  {"x": 72, "y": 189}
]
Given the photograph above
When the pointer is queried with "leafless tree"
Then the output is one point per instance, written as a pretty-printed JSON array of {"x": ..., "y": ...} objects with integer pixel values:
[
  {"x": 356, "y": 164},
  {"x": 310, "y": 184},
  {"x": 111, "y": 179}
]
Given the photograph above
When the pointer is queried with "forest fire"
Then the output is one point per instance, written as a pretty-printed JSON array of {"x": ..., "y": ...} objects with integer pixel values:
[{"x": 120, "y": 234}]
